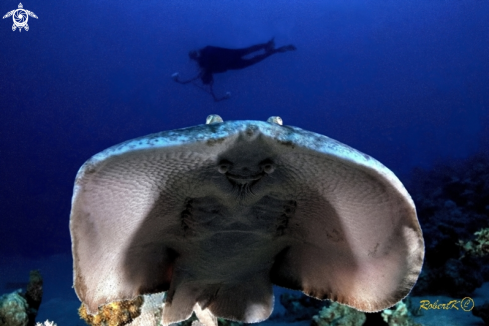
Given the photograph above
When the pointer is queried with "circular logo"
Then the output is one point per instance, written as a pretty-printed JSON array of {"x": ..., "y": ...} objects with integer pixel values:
[
  {"x": 20, "y": 18},
  {"x": 467, "y": 304}
]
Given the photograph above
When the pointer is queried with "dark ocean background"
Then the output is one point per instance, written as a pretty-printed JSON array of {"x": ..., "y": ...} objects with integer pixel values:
[{"x": 406, "y": 82}]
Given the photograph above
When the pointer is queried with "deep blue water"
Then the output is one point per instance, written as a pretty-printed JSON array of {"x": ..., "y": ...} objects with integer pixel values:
[{"x": 406, "y": 82}]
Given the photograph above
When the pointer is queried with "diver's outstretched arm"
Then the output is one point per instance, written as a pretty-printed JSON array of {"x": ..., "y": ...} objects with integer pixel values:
[
  {"x": 210, "y": 91},
  {"x": 176, "y": 76}
]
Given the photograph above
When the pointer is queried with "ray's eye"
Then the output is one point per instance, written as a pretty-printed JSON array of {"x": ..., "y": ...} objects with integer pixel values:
[
  {"x": 224, "y": 166},
  {"x": 267, "y": 167}
]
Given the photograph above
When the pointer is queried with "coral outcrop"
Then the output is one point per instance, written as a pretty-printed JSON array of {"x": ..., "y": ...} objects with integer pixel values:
[
  {"x": 14, "y": 310},
  {"x": 47, "y": 323},
  {"x": 338, "y": 315},
  {"x": 478, "y": 247},
  {"x": 113, "y": 314},
  {"x": 33, "y": 294},
  {"x": 20, "y": 307},
  {"x": 399, "y": 315}
]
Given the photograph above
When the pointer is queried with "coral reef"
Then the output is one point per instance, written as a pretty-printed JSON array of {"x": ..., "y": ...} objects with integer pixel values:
[
  {"x": 482, "y": 311},
  {"x": 338, "y": 315},
  {"x": 456, "y": 278},
  {"x": 20, "y": 308},
  {"x": 452, "y": 203},
  {"x": 399, "y": 315},
  {"x": 113, "y": 314}
]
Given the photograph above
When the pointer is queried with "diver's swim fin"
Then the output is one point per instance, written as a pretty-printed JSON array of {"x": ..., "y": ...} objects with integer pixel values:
[
  {"x": 225, "y": 97},
  {"x": 286, "y": 48}
]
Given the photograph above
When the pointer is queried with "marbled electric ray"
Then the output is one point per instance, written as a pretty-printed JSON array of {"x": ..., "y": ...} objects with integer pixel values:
[{"x": 217, "y": 213}]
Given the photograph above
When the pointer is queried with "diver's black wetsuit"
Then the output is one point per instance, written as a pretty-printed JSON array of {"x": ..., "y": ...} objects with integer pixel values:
[{"x": 213, "y": 59}]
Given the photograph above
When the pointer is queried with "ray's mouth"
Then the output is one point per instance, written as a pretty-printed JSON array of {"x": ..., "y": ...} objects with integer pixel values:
[
  {"x": 244, "y": 178},
  {"x": 251, "y": 176}
]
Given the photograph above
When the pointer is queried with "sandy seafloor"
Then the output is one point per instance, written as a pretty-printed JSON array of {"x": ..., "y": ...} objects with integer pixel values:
[{"x": 60, "y": 303}]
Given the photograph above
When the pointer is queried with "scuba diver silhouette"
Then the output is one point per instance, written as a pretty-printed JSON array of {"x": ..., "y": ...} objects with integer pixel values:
[{"x": 213, "y": 59}]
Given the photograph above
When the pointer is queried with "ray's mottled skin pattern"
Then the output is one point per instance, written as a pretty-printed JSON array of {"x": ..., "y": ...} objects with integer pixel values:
[
  {"x": 213, "y": 210},
  {"x": 214, "y": 133}
]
